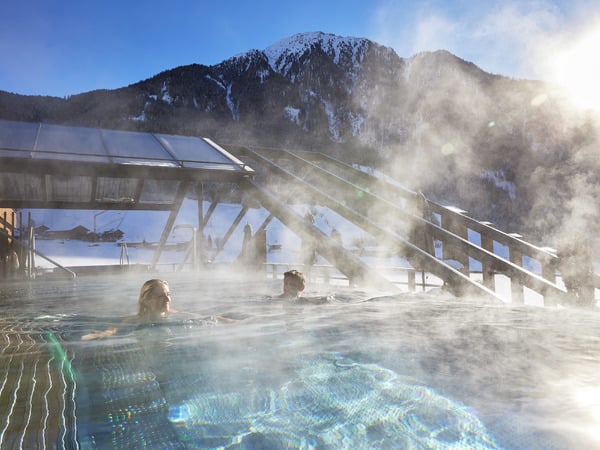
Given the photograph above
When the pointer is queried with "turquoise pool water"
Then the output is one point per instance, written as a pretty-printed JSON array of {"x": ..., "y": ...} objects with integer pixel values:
[{"x": 408, "y": 371}]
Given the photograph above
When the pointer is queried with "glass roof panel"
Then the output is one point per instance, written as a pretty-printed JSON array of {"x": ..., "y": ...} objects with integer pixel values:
[
  {"x": 79, "y": 144},
  {"x": 186, "y": 148},
  {"x": 199, "y": 153},
  {"x": 124, "y": 158},
  {"x": 104, "y": 163},
  {"x": 18, "y": 135},
  {"x": 72, "y": 143},
  {"x": 136, "y": 148}
]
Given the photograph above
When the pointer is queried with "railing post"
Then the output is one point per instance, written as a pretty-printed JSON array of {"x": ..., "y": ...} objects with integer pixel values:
[
  {"x": 516, "y": 287},
  {"x": 412, "y": 282},
  {"x": 21, "y": 252},
  {"x": 549, "y": 271},
  {"x": 4, "y": 248},
  {"x": 32, "y": 250},
  {"x": 577, "y": 271},
  {"x": 489, "y": 280},
  {"x": 454, "y": 225}
]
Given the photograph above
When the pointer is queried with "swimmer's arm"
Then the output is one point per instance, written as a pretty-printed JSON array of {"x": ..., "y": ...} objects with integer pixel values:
[
  {"x": 106, "y": 333},
  {"x": 99, "y": 335}
]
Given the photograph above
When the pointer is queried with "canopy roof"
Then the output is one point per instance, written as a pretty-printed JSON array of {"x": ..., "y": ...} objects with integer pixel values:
[{"x": 54, "y": 166}]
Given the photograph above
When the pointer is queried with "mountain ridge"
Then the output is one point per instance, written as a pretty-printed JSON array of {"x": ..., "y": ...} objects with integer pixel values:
[{"x": 433, "y": 120}]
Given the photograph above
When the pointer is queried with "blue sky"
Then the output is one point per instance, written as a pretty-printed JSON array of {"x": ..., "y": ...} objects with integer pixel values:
[{"x": 59, "y": 48}]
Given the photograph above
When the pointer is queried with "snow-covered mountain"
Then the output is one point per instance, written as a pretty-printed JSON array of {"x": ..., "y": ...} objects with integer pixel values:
[
  {"x": 498, "y": 147},
  {"x": 348, "y": 51}
]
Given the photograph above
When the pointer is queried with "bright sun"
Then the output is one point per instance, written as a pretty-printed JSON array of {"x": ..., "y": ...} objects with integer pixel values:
[{"x": 577, "y": 70}]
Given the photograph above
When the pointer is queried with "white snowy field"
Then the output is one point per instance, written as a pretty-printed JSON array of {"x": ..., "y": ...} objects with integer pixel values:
[
  {"x": 147, "y": 226},
  {"x": 140, "y": 226}
]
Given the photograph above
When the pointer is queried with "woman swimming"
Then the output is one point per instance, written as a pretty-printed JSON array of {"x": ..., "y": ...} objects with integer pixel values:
[{"x": 154, "y": 303}]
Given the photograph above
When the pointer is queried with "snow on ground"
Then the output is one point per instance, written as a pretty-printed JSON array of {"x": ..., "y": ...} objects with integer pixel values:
[{"x": 140, "y": 226}]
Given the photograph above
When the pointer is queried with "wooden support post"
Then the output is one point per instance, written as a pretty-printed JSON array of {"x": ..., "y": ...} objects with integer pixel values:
[
  {"x": 21, "y": 251},
  {"x": 259, "y": 241},
  {"x": 412, "y": 279},
  {"x": 516, "y": 287},
  {"x": 577, "y": 271},
  {"x": 200, "y": 200},
  {"x": 489, "y": 280},
  {"x": 452, "y": 251},
  {"x": 201, "y": 249},
  {"x": 14, "y": 223},
  {"x": 31, "y": 256},
  {"x": 266, "y": 222},
  {"x": 209, "y": 213},
  {"x": 229, "y": 232},
  {"x": 4, "y": 247},
  {"x": 29, "y": 245},
  {"x": 549, "y": 270},
  {"x": 183, "y": 187}
]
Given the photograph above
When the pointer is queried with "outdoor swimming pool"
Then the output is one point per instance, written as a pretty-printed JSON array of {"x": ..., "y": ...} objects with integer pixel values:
[{"x": 410, "y": 371}]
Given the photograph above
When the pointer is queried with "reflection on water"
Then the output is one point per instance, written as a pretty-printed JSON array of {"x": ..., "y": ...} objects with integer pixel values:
[{"x": 418, "y": 370}]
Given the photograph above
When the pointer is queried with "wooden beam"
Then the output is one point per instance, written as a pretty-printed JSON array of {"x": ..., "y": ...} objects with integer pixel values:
[
  {"x": 230, "y": 231},
  {"x": 183, "y": 187}
]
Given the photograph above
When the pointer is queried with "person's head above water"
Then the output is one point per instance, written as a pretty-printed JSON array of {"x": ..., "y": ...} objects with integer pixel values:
[
  {"x": 293, "y": 283},
  {"x": 155, "y": 299}
]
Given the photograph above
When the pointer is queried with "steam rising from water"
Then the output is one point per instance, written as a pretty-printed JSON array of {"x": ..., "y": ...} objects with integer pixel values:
[
  {"x": 459, "y": 133},
  {"x": 437, "y": 367},
  {"x": 512, "y": 38}
]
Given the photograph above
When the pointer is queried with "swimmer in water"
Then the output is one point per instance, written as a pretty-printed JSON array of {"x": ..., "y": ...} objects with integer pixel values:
[
  {"x": 154, "y": 303},
  {"x": 293, "y": 284},
  {"x": 155, "y": 300}
]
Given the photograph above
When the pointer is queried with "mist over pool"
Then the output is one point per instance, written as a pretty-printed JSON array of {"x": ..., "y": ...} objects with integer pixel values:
[{"x": 424, "y": 370}]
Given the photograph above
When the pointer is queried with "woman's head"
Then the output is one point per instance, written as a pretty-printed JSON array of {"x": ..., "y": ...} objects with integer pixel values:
[
  {"x": 293, "y": 283},
  {"x": 155, "y": 299}
]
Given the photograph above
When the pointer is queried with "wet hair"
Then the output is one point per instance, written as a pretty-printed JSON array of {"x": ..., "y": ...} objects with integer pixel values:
[
  {"x": 298, "y": 276},
  {"x": 146, "y": 292}
]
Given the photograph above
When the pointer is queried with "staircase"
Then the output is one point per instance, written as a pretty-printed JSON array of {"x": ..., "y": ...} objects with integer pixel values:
[{"x": 440, "y": 240}]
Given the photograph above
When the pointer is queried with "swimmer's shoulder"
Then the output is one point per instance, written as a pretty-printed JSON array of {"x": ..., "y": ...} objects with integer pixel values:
[{"x": 318, "y": 300}]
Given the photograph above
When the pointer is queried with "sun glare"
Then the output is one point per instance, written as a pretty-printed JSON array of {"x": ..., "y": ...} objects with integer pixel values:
[{"x": 577, "y": 70}]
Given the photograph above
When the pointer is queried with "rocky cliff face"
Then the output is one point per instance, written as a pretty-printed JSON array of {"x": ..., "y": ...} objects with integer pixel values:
[{"x": 506, "y": 150}]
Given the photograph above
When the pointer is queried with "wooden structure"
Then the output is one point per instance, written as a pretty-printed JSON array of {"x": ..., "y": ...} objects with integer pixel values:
[
  {"x": 9, "y": 259},
  {"x": 412, "y": 226},
  {"x": 61, "y": 167},
  {"x": 50, "y": 166}
]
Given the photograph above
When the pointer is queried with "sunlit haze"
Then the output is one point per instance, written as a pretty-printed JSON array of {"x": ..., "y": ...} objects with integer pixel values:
[{"x": 576, "y": 68}]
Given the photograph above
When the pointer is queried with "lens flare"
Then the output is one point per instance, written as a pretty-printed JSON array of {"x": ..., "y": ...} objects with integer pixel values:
[
  {"x": 577, "y": 70},
  {"x": 589, "y": 399}
]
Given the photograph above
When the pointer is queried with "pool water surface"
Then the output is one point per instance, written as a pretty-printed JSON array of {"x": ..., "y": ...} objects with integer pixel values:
[{"x": 362, "y": 370}]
